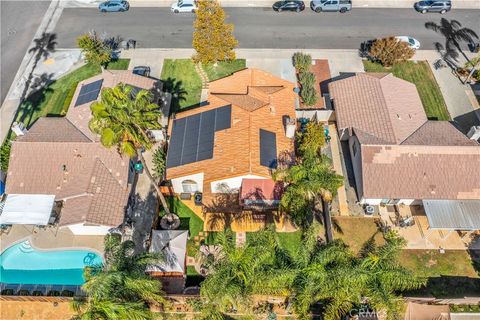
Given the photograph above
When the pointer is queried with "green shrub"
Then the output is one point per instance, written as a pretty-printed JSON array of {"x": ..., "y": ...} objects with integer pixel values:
[
  {"x": 307, "y": 79},
  {"x": 159, "y": 162},
  {"x": 5, "y": 155},
  {"x": 302, "y": 61},
  {"x": 309, "y": 96}
]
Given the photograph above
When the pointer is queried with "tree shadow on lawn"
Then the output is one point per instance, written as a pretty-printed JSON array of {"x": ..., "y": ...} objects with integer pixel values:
[{"x": 179, "y": 94}]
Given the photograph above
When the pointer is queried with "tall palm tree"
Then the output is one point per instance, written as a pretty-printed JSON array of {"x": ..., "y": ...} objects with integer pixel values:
[
  {"x": 122, "y": 119},
  {"x": 454, "y": 33},
  {"x": 332, "y": 275},
  {"x": 308, "y": 182},
  {"x": 119, "y": 288},
  {"x": 241, "y": 272}
]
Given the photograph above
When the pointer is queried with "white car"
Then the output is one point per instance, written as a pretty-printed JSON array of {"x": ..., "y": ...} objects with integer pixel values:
[
  {"x": 412, "y": 42},
  {"x": 184, "y": 6}
]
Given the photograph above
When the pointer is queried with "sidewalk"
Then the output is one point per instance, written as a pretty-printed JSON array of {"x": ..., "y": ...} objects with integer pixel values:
[{"x": 457, "y": 4}]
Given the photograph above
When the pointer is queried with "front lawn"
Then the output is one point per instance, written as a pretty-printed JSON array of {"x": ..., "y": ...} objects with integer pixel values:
[
  {"x": 223, "y": 69},
  {"x": 182, "y": 81},
  {"x": 55, "y": 98},
  {"x": 419, "y": 73}
]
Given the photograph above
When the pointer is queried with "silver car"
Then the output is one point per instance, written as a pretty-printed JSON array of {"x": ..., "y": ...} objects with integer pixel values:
[
  {"x": 433, "y": 6},
  {"x": 331, "y": 5}
]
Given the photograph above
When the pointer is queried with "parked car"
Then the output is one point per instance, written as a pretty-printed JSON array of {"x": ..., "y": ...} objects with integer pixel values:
[
  {"x": 433, "y": 6},
  {"x": 331, "y": 5},
  {"x": 412, "y": 42},
  {"x": 297, "y": 6},
  {"x": 142, "y": 71},
  {"x": 184, "y": 6},
  {"x": 113, "y": 6}
]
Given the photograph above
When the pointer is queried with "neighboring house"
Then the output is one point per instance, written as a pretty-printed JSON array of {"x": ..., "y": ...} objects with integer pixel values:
[
  {"x": 88, "y": 91},
  {"x": 89, "y": 182},
  {"x": 61, "y": 157},
  {"x": 239, "y": 136},
  {"x": 171, "y": 270},
  {"x": 398, "y": 155}
]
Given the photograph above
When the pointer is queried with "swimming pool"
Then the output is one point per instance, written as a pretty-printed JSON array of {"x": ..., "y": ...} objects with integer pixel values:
[{"x": 22, "y": 264}]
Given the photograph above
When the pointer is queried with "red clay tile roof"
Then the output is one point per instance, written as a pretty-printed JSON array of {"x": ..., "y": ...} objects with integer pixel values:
[
  {"x": 421, "y": 172},
  {"x": 92, "y": 180},
  {"x": 260, "y": 189},
  {"x": 80, "y": 115},
  {"x": 237, "y": 149},
  {"x": 381, "y": 105}
]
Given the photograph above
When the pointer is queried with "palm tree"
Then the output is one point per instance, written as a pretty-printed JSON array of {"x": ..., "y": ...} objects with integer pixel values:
[
  {"x": 340, "y": 280},
  {"x": 454, "y": 34},
  {"x": 119, "y": 288},
  {"x": 122, "y": 119},
  {"x": 312, "y": 179},
  {"x": 241, "y": 272}
]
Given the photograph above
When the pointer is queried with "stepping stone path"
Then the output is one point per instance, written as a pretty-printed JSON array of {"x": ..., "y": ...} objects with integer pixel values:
[
  {"x": 240, "y": 238},
  {"x": 203, "y": 75}
]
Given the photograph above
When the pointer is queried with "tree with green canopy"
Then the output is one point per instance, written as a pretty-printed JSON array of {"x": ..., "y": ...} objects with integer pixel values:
[
  {"x": 119, "y": 288},
  {"x": 122, "y": 118}
]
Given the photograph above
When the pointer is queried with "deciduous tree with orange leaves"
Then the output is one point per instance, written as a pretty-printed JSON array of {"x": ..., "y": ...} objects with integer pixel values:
[{"x": 213, "y": 38}]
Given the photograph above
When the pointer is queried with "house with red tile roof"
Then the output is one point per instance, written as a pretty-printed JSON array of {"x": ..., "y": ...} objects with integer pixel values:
[
  {"x": 235, "y": 140},
  {"x": 62, "y": 157},
  {"x": 401, "y": 157}
]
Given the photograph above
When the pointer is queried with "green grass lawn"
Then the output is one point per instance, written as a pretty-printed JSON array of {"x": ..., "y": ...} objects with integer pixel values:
[
  {"x": 189, "y": 221},
  {"x": 356, "y": 231},
  {"x": 224, "y": 69},
  {"x": 54, "y": 99},
  {"x": 419, "y": 73},
  {"x": 180, "y": 78}
]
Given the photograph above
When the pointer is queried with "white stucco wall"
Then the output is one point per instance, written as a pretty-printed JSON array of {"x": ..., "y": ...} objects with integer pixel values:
[
  {"x": 230, "y": 184},
  {"x": 82, "y": 230},
  {"x": 177, "y": 182}
]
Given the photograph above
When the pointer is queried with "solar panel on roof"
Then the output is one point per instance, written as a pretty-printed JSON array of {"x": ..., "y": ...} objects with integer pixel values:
[
  {"x": 135, "y": 90},
  {"x": 193, "y": 137},
  {"x": 89, "y": 92},
  {"x": 268, "y": 149}
]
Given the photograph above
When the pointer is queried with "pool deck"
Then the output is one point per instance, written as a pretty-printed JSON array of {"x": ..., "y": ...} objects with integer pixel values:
[{"x": 50, "y": 238}]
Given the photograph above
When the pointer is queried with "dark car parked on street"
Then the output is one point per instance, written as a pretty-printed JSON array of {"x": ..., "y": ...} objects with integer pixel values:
[
  {"x": 433, "y": 6},
  {"x": 296, "y": 6},
  {"x": 113, "y": 6}
]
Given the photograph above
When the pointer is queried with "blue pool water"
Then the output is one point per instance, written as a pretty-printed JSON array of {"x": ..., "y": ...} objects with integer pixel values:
[{"x": 22, "y": 264}]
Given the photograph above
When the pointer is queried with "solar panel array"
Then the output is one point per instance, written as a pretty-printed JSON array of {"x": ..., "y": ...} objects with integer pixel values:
[
  {"x": 193, "y": 137},
  {"x": 89, "y": 92},
  {"x": 268, "y": 149}
]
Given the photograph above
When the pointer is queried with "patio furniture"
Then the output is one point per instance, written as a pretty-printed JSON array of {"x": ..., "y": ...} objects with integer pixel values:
[
  {"x": 407, "y": 222},
  {"x": 198, "y": 198},
  {"x": 170, "y": 222},
  {"x": 185, "y": 196}
]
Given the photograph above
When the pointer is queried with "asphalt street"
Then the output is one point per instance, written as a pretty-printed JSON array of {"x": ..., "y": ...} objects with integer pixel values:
[
  {"x": 19, "y": 22},
  {"x": 261, "y": 27}
]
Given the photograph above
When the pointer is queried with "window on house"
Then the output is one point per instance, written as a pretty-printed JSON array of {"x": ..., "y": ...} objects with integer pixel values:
[
  {"x": 354, "y": 148},
  {"x": 189, "y": 186}
]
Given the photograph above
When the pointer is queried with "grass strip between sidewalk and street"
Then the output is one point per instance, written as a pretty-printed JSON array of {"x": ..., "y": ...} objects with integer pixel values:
[{"x": 420, "y": 74}]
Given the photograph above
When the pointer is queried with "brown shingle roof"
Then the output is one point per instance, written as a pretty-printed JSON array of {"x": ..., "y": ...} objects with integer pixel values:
[
  {"x": 244, "y": 101},
  {"x": 421, "y": 172},
  {"x": 80, "y": 115},
  {"x": 83, "y": 170},
  {"x": 380, "y": 105},
  {"x": 53, "y": 130},
  {"x": 438, "y": 133}
]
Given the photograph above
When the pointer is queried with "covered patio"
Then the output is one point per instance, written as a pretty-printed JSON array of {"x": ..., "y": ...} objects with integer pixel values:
[{"x": 436, "y": 224}]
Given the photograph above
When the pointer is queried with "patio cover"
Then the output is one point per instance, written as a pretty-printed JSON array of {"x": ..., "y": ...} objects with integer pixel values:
[
  {"x": 31, "y": 209},
  {"x": 173, "y": 245},
  {"x": 453, "y": 214},
  {"x": 260, "y": 191}
]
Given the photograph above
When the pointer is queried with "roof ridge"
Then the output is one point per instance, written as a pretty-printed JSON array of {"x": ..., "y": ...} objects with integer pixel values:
[
  {"x": 416, "y": 130},
  {"x": 74, "y": 126}
]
